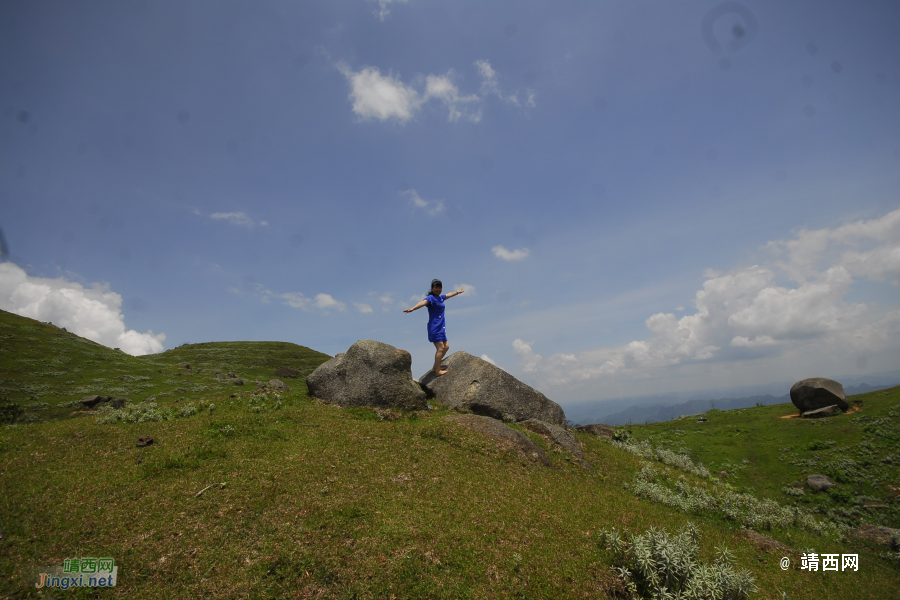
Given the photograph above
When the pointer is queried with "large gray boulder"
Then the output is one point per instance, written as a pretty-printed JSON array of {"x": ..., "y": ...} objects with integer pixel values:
[
  {"x": 476, "y": 385},
  {"x": 370, "y": 373},
  {"x": 818, "y": 392},
  {"x": 503, "y": 434}
]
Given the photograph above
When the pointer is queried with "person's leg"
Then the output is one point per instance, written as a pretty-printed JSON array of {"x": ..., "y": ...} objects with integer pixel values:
[{"x": 440, "y": 351}]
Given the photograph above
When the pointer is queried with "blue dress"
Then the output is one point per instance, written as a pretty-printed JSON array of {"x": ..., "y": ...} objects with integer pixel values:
[{"x": 437, "y": 331}]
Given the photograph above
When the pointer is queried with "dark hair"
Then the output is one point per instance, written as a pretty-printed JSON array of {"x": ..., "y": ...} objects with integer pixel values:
[{"x": 433, "y": 283}]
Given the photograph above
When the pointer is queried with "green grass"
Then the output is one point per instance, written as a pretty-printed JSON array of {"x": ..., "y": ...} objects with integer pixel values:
[
  {"x": 769, "y": 456},
  {"x": 321, "y": 502}
]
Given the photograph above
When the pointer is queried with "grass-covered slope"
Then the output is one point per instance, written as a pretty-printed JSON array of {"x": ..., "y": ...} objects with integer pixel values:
[
  {"x": 768, "y": 451},
  {"x": 47, "y": 370},
  {"x": 321, "y": 502}
]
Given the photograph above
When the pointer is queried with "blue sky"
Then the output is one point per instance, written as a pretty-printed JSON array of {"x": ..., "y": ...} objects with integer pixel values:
[{"x": 638, "y": 197}]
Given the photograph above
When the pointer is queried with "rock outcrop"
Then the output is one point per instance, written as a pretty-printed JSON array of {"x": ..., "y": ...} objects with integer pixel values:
[
  {"x": 503, "y": 434},
  {"x": 370, "y": 373},
  {"x": 475, "y": 385},
  {"x": 822, "y": 412},
  {"x": 599, "y": 429},
  {"x": 819, "y": 483},
  {"x": 818, "y": 392},
  {"x": 556, "y": 434}
]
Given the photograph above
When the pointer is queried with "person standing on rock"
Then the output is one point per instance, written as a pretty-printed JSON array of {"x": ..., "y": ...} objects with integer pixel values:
[{"x": 437, "y": 333}]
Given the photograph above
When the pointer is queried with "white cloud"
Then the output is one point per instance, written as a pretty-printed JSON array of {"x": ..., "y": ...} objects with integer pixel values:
[
  {"x": 380, "y": 96},
  {"x": 236, "y": 218},
  {"x": 325, "y": 301},
  {"x": 384, "y": 97},
  {"x": 94, "y": 313},
  {"x": 432, "y": 207},
  {"x": 442, "y": 87},
  {"x": 468, "y": 289},
  {"x": 487, "y": 358},
  {"x": 383, "y": 10},
  {"x": 501, "y": 252},
  {"x": 363, "y": 308},
  {"x": 299, "y": 300},
  {"x": 491, "y": 87},
  {"x": 747, "y": 315}
]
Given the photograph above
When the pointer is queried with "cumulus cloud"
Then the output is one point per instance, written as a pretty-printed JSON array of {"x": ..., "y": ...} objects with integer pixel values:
[
  {"x": 487, "y": 358},
  {"x": 363, "y": 308},
  {"x": 385, "y": 96},
  {"x": 324, "y": 302},
  {"x": 380, "y": 96},
  {"x": 94, "y": 313},
  {"x": 501, "y": 252},
  {"x": 749, "y": 313},
  {"x": 469, "y": 289},
  {"x": 432, "y": 207},
  {"x": 236, "y": 218}
]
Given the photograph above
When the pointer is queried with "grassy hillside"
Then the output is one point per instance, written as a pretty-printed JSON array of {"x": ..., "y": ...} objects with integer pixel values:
[
  {"x": 313, "y": 501},
  {"x": 47, "y": 370},
  {"x": 767, "y": 451}
]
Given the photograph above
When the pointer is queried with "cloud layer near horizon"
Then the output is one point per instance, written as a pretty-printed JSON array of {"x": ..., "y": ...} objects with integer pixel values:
[
  {"x": 94, "y": 313},
  {"x": 796, "y": 304}
]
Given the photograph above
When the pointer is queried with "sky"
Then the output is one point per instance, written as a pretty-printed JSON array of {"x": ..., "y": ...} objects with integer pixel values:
[{"x": 637, "y": 197}]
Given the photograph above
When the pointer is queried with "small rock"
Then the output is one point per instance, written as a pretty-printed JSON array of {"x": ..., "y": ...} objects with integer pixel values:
[
  {"x": 884, "y": 536},
  {"x": 238, "y": 381},
  {"x": 599, "y": 429},
  {"x": 220, "y": 376},
  {"x": 819, "y": 483},
  {"x": 92, "y": 401},
  {"x": 277, "y": 384},
  {"x": 723, "y": 474},
  {"x": 144, "y": 440},
  {"x": 821, "y": 412},
  {"x": 231, "y": 374},
  {"x": 701, "y": 420},
  {"x": 119, "y": 403}
]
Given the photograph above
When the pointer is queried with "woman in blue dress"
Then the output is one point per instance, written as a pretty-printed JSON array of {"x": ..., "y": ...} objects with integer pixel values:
[{"x": 437, "y": 333}]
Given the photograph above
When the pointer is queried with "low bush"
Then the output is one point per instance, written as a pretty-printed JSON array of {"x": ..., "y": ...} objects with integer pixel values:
[{"x": 659, "y": 566}]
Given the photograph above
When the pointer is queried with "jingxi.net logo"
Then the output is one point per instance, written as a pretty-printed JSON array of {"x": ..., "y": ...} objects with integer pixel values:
[{"x": 80, "y": 572}]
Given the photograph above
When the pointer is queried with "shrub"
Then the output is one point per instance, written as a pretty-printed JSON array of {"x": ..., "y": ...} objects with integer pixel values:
[
  {"x": 656, "y": 565},
  {"x": 188, "y": 411},
  {"x": 9, "y": 411},
  {"x": 742, "y": 508},
  {"x": 667, "y": 457},
  {"x": 141, "y": 412}
]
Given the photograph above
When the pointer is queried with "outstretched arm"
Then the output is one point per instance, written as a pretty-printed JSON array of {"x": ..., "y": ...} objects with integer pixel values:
[
  {"x": 457, "y": 293},
  {"x": 417, "y": 306}
]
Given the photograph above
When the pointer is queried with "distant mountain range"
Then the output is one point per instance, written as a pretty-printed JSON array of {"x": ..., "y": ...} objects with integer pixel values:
[{"x": 652, "y": 409}]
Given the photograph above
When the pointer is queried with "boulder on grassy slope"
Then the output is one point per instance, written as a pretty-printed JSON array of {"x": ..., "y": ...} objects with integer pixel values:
[
  {"x": 818, "y": 392},
  {"x": 476, "y": 385},
  {"x": 502, "y": 433},
  {"x": 370, "y": 373}
]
